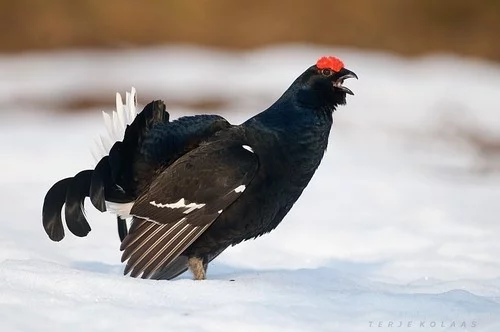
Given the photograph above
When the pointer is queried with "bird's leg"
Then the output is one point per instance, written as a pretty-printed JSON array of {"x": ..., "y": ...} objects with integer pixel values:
[
  {"x": 205, "y": 264},
  {"x": 122, "y": 227},
  {"x": 198, "y": 267}
]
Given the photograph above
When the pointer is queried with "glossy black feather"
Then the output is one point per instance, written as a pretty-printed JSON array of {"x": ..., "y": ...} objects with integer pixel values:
[
  {"x": 166, "y": 142},
  {"x": 51, "y": 211},
  {"x": 97, "y": 184},
  {"x": 121, "y": 175},
  {"x": 123, "y": 155},
  {"x": 208, "y": 174},
  {"x": 189, "y": 180},
  {"x": 77, "y": 190},
  {"x": 200, "y": 185}
]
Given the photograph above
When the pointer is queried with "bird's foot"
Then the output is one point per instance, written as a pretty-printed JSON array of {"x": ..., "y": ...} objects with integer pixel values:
[{"x": 198, "y": 268}]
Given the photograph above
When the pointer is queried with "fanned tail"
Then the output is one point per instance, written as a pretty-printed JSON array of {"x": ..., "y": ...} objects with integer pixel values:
[{"x": 112, "y": 179}]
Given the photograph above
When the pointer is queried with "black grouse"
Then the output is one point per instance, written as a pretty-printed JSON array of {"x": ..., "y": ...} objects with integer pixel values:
[{"x": 197, "y": 185}]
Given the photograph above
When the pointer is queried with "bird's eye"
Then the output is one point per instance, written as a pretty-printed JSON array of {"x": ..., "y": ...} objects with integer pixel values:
[{"x": 326, "y": 72}]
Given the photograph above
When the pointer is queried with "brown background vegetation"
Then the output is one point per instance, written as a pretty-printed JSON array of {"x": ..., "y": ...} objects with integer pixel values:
[{"x": 406, "y": 26}]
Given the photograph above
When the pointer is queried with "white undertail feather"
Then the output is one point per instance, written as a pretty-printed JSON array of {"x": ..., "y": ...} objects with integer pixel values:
[
  {"x": 116, "y": 123},
  {"x": 120, "y": 209}
]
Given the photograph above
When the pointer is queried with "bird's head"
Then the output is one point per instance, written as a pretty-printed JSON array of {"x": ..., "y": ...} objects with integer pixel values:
[{"x": 322, "y": 85}]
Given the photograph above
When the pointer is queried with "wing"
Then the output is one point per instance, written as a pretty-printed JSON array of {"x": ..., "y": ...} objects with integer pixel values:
[{"x": 183, "y": 201}]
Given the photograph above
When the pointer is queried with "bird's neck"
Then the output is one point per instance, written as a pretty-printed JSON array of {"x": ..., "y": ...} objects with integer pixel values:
[
  {"x": 298, "y": 137},
  {"x": 295, "y": 116},
  {"x": 298, "y": 128}
]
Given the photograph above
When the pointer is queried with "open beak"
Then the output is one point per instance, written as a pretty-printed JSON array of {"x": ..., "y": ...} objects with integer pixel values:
[{"x": 344, "y": 74}]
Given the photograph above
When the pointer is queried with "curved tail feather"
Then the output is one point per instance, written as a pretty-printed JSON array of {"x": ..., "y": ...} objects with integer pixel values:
[
  {"x": 51, "y": 211},
  {"x": 70, "y": 193},
  {"x": 97, "y": 189},
  {"x": 77, "y": 190},
  {"x": 112, "y": 180}
]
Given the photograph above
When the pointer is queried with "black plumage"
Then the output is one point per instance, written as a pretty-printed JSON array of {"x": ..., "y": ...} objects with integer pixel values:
[{"x": 197, "y": 185}]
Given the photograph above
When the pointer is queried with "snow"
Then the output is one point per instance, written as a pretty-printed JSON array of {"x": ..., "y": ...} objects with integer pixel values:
[{"x": 396, "y": 228}]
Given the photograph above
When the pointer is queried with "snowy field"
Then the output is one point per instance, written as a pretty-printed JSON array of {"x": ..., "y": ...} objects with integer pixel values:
[{"x": 399, "y": 229}]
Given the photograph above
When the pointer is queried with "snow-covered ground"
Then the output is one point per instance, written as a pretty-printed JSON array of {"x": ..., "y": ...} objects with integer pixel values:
[{"x": 400, "y": 225}]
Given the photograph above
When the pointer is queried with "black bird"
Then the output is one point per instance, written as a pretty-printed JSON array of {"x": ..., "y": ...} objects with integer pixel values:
[{"x": 197, "y": 185}]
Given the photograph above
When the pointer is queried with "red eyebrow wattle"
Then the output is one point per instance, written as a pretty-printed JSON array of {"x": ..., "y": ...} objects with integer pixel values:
[{"x": 330, "y": 62}]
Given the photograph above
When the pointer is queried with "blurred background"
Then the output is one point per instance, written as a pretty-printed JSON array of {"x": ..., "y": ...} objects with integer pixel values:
[
  {"x": 73, "y": 55},
  {"x": 410, "y": 27},
  {"x": 418, "y": 145}
]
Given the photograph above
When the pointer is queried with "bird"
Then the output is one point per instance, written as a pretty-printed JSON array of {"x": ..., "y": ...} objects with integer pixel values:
[{"x": 197, "y": 185}]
